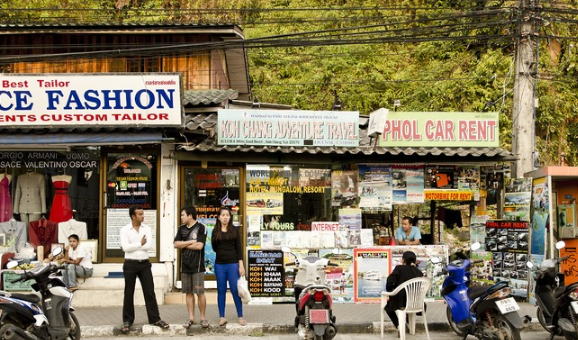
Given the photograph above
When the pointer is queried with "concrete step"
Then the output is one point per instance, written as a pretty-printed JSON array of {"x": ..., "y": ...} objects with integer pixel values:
[{"x": 106, "y": 287}]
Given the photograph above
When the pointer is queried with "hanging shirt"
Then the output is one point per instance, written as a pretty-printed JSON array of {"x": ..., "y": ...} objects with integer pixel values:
[
  {"x": 15, "y": 234},
  {"x": 42, "y": 233},
  {"x": 65, "y": 229}
]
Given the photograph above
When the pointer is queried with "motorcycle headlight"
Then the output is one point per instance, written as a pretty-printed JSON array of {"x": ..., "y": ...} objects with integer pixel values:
[
  {"x": 573, "y": 295},
  {"x": 502, "y": 293}
]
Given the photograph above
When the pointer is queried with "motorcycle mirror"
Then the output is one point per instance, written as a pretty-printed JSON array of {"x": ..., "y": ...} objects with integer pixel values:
[
  {"x": 529, "y": 264},
  {"x": 56, "y": 251},
  {"x": 435, "y": 260},
  {"x": 475, "y": 246},
  {"x": 560, "y": 245},
  {"x": 12, "y": 264}
]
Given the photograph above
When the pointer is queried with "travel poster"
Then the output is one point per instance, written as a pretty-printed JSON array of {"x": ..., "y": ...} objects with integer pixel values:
[
  {"x": 344, "y": 188},
  {"x": 375, "y": 189},
  {"x": 339, "y": 278},
  {"x": 371, "y": 267}
]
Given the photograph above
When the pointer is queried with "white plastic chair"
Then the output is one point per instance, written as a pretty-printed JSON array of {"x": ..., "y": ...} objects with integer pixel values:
[{"x": 415, "y": 290}]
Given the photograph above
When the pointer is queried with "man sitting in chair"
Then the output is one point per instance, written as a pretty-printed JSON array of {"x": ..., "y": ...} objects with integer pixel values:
[{"x": 401, "y": 273}]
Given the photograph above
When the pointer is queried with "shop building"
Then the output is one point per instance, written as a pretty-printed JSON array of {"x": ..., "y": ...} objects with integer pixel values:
[
  {"x": 166, "y": 158},
  {"x": 105, "y": 124}
]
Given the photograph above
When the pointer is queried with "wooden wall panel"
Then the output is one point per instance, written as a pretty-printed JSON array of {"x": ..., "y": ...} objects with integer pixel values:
[{"x": 200, "y": 70}]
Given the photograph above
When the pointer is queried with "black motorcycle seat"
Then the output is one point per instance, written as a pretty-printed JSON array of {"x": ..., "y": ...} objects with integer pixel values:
[
  {"x": 27, "y": 297},
  {"x": 476, "y": 291}
]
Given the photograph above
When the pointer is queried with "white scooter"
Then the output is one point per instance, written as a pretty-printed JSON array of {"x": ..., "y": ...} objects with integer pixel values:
[{"x": 314, "y": 319}]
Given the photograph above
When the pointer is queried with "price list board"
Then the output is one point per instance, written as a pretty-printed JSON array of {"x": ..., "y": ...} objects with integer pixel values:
[{"x": 266, "y": 273}]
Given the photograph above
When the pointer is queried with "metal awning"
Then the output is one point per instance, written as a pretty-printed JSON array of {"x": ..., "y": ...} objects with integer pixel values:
[{"x": 108, "y": 138}]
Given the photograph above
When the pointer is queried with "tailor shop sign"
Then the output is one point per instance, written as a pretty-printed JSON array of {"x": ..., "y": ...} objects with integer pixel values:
[
  {"x": 98, "y": 100},
  {"x": 288, "y": 128},
  {"x": 440, "y": 129},
  {"x": 49, "y": 160}
]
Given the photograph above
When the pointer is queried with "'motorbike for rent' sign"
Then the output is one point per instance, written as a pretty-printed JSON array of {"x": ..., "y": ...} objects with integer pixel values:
[{"x": 94, "y": 99}]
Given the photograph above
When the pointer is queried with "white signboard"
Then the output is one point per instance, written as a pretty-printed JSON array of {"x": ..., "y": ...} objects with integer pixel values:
[
  {"x": 288, "y": 128},
  {"x": 90, "y": 99}
]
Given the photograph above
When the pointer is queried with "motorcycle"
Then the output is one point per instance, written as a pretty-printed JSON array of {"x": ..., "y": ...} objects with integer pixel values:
[
  {"x": 557, "y": 304},
  {"x": 47, "y": 316},
  {"x": 314, "y": 318},
  {"x": 488, "y": 313}
]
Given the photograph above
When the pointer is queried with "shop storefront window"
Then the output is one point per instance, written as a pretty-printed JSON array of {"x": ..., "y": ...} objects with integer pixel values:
[
  {"x": 47, "y": 195},
  {"x": 131, "y": 179},
  {"x": 208, "y": 190}
]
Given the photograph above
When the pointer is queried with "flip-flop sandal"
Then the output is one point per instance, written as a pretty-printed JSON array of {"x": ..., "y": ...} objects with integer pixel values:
[
  {"x": 222, "y": 322},
  {"x": 162, "y": 324},
  {"x": 189, "y": 323},
  {"x": 205, "y": 323},
  {"x": 242, "y": 322},
  {"x": 125, "y": 328}
]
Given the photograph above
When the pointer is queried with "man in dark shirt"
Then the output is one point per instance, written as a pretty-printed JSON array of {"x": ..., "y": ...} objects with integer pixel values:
[{"x": 191, "y": 238}]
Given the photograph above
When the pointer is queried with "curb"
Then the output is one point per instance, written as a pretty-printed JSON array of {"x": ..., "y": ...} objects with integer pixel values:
[{"x": 257, "y": 329}]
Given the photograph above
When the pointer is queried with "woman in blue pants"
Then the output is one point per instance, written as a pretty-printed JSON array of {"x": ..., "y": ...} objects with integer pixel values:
[{"x": 226, "y": 243}]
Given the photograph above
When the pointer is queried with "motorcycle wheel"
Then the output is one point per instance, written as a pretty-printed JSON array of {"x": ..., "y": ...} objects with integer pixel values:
[
  {"x": 3, "y": 329},
  {"x": 542, "y": 320},
  {"x": 74, "y": 333},
  {"x": 507, "y": 331},
  {"x": 452, "y": 323}
]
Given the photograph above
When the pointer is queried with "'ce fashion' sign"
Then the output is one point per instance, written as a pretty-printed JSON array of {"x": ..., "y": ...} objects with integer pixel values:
[{"x": 107, "y": 99}]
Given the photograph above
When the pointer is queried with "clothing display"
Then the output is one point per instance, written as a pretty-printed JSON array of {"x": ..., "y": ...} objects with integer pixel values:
[
  {"x": 5, "y": 199},
  {"x": 72, "y": 226},
  {"x": 30, "y": 197},
  {"x": 14, "y": 234},
  {"x": 61, "y": 209},
  {"x": 42, "y": 233}
]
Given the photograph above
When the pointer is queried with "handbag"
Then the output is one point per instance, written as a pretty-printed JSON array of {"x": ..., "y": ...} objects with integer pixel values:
[{"x": 243, "y": 288}]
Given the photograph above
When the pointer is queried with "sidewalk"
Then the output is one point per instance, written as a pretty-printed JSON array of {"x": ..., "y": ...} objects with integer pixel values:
[{"x": 262, "y": 319}]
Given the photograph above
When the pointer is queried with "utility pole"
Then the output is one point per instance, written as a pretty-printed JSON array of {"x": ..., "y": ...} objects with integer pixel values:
[{"x": 523, "y": 133}]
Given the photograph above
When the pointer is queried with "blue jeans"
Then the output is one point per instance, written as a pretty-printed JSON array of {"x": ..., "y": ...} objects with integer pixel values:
[
  {"x": 72, "y": 271},
  {"x": 228, "y": 272}
]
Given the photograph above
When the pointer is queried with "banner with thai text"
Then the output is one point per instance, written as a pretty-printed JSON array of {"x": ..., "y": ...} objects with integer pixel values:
[
  {"x": 90, "y": 99},
  {"x": 435, "y": 129},
  {"x": 288, "y": 128}
]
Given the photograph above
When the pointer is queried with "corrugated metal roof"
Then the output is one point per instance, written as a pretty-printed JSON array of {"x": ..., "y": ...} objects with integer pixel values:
[
  {"x": 112, "y": 25},
  {"x": 207, "y": 124},
  {"x": 207, "y": 97}
]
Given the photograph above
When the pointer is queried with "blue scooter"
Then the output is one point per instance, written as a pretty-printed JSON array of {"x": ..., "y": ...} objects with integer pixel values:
[{"x": 488, "y": 313}]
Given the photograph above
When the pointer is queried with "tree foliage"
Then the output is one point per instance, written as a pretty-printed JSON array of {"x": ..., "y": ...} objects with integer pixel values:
[{"x": 431, "y": 55}]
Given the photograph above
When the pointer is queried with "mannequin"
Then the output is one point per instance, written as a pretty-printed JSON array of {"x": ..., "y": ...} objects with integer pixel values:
[
  {"x": 30, "y": 196},
  {"x": 61, "y": 209},
  {"x": 5, "y": 199},
  {"x": 15, "y": 233},
  {"x": 72, "y": 226}
]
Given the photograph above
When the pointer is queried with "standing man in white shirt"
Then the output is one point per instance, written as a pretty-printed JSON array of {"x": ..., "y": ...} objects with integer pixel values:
[
  {"x": 136, "y": 240},
  {"x": 78, "y": 262}
]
